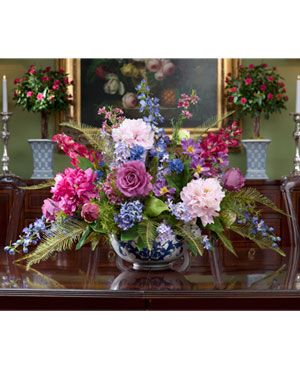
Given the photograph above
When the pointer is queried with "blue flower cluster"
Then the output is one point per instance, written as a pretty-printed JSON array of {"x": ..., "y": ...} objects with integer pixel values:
[
  {"x": 259, "y": 227},
  {"x": 137, "y": 152},
  {"x": 176, "y": 166},
  {"x": 130, "y": 214},
  {"x": 165, "y": 234},
  {"x": 32, "y": 235},
  {"x": 122, "y": 153},
  {"x": 180, "y": 211}
]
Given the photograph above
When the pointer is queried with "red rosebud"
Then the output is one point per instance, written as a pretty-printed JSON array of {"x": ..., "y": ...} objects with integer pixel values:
[
  {"x": 45, "y": 79},
  {"x": 270, "y": 96},
  {"x": 61, "y": 70},
  {"x": 270, "y": 78},
  {"x": 233, "y": 89},
  {"x": 286, "y": 98},
  {"x": 47, "y": 69},
  {"x": 66, "y": 81},
  {"x": 17, "y": 80},
  {"x": 248, "y": 81},
  {"x": 264, "y": 65},
  {"x": 284, "y": 90},
  {"x": 230, "y": 99},
  {"x": 241, "y": 67},
  {"x": 251, "y": 66},
  {"x": 243, "y": 100},
  {"x": 100, "y": 72},
  {"x": 263, "y": 87}
]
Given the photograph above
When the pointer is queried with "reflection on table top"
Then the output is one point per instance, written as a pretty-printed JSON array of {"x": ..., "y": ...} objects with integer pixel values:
[{"x": 80, "y": 275}]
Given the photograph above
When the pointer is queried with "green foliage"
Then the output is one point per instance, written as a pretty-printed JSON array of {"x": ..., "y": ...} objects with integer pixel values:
[
  {"x": 194, "y": 243},
  {"x": 59, "y": 238},
  {"x": 216, "y": 226},
  {"x": 154, "y": 206},
  {"x": 146, "y": 233},
  {"x": 106, "y": 223},
  {"x": 214, "y": 121},
  {"x": 83, "y": 238},
  {"x": 85, "y": 163},
  {"x": 44, "y": 185},
  {"x": 130, "y": 234},
  {"x": 178, "y": 181},
  {"x": 226, "y": 242}
]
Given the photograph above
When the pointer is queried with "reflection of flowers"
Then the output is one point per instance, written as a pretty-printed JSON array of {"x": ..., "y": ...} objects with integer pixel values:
[
  {"x": 129, "y": 100},
  {"x": 113, "y": 85}
]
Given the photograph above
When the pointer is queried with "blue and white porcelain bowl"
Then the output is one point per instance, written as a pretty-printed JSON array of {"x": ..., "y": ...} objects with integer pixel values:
[{"x": 158, "y": 258}]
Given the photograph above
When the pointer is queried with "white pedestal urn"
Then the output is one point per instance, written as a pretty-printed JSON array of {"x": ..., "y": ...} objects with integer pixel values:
[
  {"x": 256, "y": 151},
  {"x": 42, "y": 153}
]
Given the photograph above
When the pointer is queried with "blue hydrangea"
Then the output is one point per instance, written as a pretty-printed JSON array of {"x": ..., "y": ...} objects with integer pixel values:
[
  {"x": 137, "y": 152},
  {"x": 130, "y": 214},
  {"x": 176, "y": 166}
]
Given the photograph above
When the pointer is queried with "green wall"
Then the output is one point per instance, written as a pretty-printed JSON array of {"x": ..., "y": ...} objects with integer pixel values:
[
  {"x": 279, "y": 128},
  {"x": 24, "y": 125}
]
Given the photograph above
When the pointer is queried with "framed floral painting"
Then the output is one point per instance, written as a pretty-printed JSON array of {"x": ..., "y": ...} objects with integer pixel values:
[{"x": 104, "y": 82}]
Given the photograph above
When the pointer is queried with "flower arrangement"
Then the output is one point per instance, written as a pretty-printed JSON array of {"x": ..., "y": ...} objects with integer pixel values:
[
  {"x": 147, "y": 189},
  {"x": 256, "y": 90},
  {"x": 44, "y": 91}
]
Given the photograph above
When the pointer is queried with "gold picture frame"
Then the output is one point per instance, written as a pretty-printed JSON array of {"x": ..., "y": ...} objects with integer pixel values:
[{"x": 73, "y": 68}]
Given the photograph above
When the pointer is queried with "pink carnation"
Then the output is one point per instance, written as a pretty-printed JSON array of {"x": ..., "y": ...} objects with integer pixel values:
[
  {"x": 202, "y": 197},
  {"x": 74, "y": 188},
  {"x": 134, "y": 132}
]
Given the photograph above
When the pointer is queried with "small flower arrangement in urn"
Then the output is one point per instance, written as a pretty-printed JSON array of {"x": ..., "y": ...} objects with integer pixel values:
[
  {"x": 44, "y": 91},
  {"x": 256, "y": 90}
]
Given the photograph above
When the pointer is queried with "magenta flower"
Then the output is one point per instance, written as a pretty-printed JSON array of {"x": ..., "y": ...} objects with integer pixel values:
[
  {"x": 133, "y": 179},
  {"x": 243, "y": 100},
  {"x": 270, "y": 96},
  {"x": 187, "y": 114},
  {"x": 263, "y": 87},
  {"x": 29, "y": 94},
  {"x": 40, "y": 96},
  {"x": 233, "y": 179},
  {"x": 248, "y": 81},
  {"x": 50, "y": 208},
  {"x": 90, "y": 212},
  {"x": 74, "y": 188}
]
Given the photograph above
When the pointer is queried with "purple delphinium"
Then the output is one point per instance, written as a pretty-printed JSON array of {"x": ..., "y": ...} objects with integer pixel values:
[
  {"x": 137, "y": 152},
  {"x": 161, "y": 188},
  {"x": 180, "y": 211},
  {"x": 32, "y": 236},
  {"x": 164, "y": 234},
  {"x": 130, "y": 214},
  {"x": 190, "y": 147},
  {"x": 176, "y": 166}
]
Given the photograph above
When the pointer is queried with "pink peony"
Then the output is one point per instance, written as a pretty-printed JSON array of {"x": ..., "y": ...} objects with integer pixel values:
[
  {"x": 134, "y": 132},
  {"x": 40, "y": 96},
  {"x": 202, "y": 197},
  {"x": 233, "y": 179},
  {"x": 29, "y": 94},
  {"x": 73, "y": 188},
  {"x": 50, "y": 208},
  {"x": 168, "y": 68},
  {"x": 90, "y": 212},
  {"x": 153, "y": 65},
  {"x": 133, "y": 179},
  {"x": 129, "y": 100}
]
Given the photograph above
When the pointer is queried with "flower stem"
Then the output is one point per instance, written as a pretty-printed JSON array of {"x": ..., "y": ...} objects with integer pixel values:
[{"x": 44, "y": 124}]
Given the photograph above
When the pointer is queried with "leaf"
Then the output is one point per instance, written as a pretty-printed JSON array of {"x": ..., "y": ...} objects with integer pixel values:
[
  {"x": 226, "y": 242},
  {"x": 154, "y": 207},
  {"x": 84, "y": 237},
  {"x": 85, "y": 163},
  {"x": 194, "y": 243},
  {"x": 214, "y": 121},
  {"x": 216, "y": 226},
  {"x": 130, "y": 234},
  {"x": 44, "y": 185},
  {"x": 147, "y": 232}
]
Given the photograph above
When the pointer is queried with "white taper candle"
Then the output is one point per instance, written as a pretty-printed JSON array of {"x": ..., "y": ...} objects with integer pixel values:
[
  {"x": 298, "y": 95},
  {"x": 4, "y": 95}
]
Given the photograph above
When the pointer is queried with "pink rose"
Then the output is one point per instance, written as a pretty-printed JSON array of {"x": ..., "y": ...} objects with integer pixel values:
[
  {"x": 168, "y": 68},
  {"x": 50, "y": 208},
  {"x": 248, "y": 81},
  {"x": 40, "y": 96},
  {"x": 153, "y": 65},
  {"x": 251, "y": 66},
  {"x": 29, "y": 94},
  {"x": 233, "y": 89},
  {"x": 233, "y": 179},
  {"x": 243, "y": 100},
  {"x": 45, "y": 79},
  {"x": 90, "y": 212},
  {"x": 270, "y": 96},
  {"x": 263, "y": 87},
  {"x": 133, "y": 179},
  {"x": 129, "y": 100},
  {"x": 159, "y": 75}
]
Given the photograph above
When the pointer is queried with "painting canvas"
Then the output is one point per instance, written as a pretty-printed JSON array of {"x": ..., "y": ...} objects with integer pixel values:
[{"x": 112, "y": 82}]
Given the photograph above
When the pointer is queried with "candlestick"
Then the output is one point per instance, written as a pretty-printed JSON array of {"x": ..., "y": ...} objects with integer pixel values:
[
  {"x": 5, "y": 137},
  {"x": 4, "y": 95},
  {"x": 298, "y": 95},
  {"x": 296, "y": 134}
]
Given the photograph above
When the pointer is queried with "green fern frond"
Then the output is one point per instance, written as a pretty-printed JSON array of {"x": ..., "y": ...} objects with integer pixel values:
[
  {"x": 194, "y": 243},
  {"x": 147, "y": 232},
  {"x": 226, "y": 242},
  {"x": 213, "y": 121},
  {"x": 60, "y": 238},
  {"x": 250, "y": 196},
  {"x": 39, "y": 186}
]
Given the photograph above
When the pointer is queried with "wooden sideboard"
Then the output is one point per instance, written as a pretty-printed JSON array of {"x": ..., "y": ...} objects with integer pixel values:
[{"x": 249, "y": 256}]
